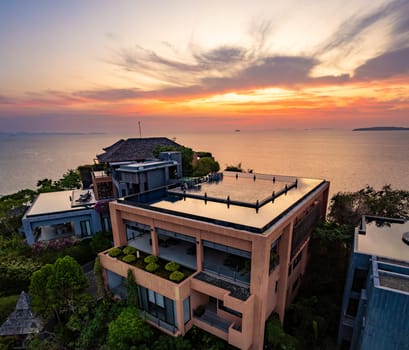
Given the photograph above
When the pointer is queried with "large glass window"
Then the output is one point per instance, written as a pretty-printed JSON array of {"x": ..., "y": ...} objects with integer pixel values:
[
  {"x": 274, "y": 257},
  {"x": 304, "y": 228},
  {"x": 134, "y": 230},
  {"x": 157, "y": 305},
  {"x": 186, "y": 310},
  {"x": 85, "y": 228}
]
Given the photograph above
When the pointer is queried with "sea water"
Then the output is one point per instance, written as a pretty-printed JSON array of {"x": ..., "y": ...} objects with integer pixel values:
[{"x": 350, "y": 160}]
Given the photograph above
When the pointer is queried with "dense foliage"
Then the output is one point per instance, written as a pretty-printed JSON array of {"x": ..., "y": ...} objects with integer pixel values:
[
  {"x": 314, "y": 315},
  {"x": 205, "y": 166},
  {"x": 187, "y": 157},
  {"x": 70, "y": 180},
  {"x": 58, "y": 289},
  {"x": 347, "y": 208},
  {"x": 57, "y": 283},
  {"x": 129, "y": 331}
]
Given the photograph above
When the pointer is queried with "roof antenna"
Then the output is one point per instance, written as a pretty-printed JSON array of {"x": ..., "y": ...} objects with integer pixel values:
[{"x": 140, "y": 131}]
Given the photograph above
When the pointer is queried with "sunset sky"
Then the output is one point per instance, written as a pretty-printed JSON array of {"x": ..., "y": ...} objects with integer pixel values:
[{"x": 173, "y": 65}]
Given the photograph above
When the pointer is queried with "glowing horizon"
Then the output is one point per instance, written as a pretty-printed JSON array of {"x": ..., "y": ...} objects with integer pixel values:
[{"x": 99, "y": 66}]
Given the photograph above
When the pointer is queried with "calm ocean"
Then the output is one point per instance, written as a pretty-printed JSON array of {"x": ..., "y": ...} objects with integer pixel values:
[{"x": 349, "y": 160}]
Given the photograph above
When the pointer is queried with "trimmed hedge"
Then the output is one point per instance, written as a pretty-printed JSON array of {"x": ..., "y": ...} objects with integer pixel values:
[
  {"x": 151, "y": 259},
  {"x": 129, "y": 258},
  {"x": 152, "y": 267},
  {"x": 172, "y": 266},
  {"x": 114, "y": 252},
  {"x": 177, "y": 276},
  {"x": 129, "y": 250}
]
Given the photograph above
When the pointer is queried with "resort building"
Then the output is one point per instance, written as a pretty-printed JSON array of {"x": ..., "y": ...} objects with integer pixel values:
[
  {"x": 125, "y": 175},
  {"x": 63, "y": 214},
  {"x": 81, "y": 213},
  {"x": 375, "y": 308},
  {"x": 241, "y": 241}
]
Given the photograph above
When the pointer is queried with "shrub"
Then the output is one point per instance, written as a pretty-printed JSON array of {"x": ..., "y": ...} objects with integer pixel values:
[
  {"x": 114, "y": 252},
  {"x": 129, "y": 250},
  {"x": 152, "y": 267},
  {"x": 7, "y": 305},
  {"x": 177, "y": 276},
  {"x": 100, "y": 241},
  {"x": 150, "y": 259},
  {"x": 129, "y": 258},
  {"x": 172, "y": 266}
]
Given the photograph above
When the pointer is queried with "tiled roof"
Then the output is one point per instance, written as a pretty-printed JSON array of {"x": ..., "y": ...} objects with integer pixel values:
[
  {"x": 133, "y": 149},
  {"x": 22, "y": 320}
]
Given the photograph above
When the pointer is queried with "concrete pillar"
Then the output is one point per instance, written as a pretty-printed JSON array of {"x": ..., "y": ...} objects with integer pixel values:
[
  {"x": 118, "y": 227},
  {"x": 28, "y": 232},
  {"x": 199, "y": 253},
  {"x": 259, "y": 287},
  {"x": 179, "y": 316},
  {"x": 285, "y": 256},
  {"x": 155, "y": 242}
]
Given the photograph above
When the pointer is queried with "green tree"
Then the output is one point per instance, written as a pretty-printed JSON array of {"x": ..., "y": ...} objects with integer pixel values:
[
  {"x": 70, "y": 180},
  {"x": 236, "y": 168},
  {"x": 205, "y": 166},
  {"x": 348, "y": 207},
  {"x": 94, "y": 331},
  {"x": 101, "y": 290},
  {"x": 274, "y": 336},
  {"x": 101, "y": 241},
  {"x": 187, "y": 156},
  {"x": 132, "y": 288},
  {"x": 128, "y": 330},
  {"x": 59, "y": 288}
]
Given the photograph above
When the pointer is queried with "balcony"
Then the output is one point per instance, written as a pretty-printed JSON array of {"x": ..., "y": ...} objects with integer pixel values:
[
  {"x": 170, "y": 249},
  {"x": 138, "y": 261}
]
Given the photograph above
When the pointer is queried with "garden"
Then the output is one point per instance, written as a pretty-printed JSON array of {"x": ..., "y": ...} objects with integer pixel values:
[{"x": 166, "y": 269}]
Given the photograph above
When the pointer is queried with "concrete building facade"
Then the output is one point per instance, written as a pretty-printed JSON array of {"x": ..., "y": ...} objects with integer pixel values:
[{"x": 244, "y": 236}]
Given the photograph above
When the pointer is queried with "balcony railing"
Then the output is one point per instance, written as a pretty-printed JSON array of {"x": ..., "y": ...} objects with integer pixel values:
[{"x": 162, "y": 324}]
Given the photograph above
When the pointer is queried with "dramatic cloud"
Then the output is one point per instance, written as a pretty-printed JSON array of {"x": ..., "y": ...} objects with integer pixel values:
[
  {"x": 397, "y": 12},
  {"x": 109, "y": 94},
  {"x": 385, "y": 66}
]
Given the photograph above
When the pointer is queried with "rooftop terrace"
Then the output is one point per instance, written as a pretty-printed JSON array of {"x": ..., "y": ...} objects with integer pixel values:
[
  {"x": 56, "y": 202},
  {"x": 382, "y": 237},
  {"x": 253, "y": 202}
]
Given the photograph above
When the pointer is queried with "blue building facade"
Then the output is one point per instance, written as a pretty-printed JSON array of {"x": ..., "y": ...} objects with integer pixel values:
[
  {"x": 375, "y": 308},
  {"x": 62, "y": 214}
]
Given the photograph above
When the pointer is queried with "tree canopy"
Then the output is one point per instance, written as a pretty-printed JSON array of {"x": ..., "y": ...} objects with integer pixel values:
[
  {"x": 205, "y": 166},
  {"x": 348, "y": 207},
  {"x": 58, "y": 288},
  {"x": 128, "y": 331}
]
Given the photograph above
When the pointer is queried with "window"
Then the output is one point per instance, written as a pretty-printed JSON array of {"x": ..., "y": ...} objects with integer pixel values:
[
  {"x": 304, "y": 227},
  {"x": 85, "y": 228},
  {"x": 186, "y": 310},
  {"x": 134, "y": 229},
  {"x": 157, "y": 305},
  {"x": 106, "y": 223},
  {"x": 274, "y": 257},
  {"x": 297, "y": 260}
]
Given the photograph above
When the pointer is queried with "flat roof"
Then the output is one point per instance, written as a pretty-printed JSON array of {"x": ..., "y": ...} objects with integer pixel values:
[
  {"x": 56, "y": 202},
  {"x": 382, "y": 237},
  {"x": 249, "y": 201},
  {"x": 147, "y": 165}
]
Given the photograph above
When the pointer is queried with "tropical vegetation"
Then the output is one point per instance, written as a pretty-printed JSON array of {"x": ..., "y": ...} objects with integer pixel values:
[{"x": 52, "y": 274}]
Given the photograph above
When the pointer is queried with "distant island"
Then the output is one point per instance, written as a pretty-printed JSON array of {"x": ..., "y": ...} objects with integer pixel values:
[{"x": 382, "y": 128}]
